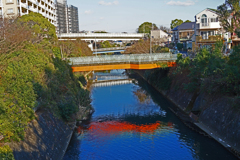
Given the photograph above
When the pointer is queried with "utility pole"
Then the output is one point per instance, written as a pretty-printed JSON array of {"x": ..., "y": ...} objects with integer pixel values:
[
  {"x": 96, "y": 45},
  {"x": 151, "y": 40}
]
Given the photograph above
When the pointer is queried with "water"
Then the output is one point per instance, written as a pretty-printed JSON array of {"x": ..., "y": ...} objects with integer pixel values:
[{"x": 133, "y": 121}]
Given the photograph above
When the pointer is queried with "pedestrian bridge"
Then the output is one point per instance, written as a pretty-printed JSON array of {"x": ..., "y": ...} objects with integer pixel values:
[{"x": 132, "y": 61}]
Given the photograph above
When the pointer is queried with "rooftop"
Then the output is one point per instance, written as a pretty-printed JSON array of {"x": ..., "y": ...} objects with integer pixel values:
[{"x": 185, "y": 26}]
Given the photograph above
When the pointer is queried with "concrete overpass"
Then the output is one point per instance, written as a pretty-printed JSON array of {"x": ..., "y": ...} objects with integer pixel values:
[
  {"x": 103, "y": 83},
  {"x": 101, "y": 36}
]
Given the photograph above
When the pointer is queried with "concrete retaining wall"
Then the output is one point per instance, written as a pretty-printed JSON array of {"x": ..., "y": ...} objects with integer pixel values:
[
  {"x": 219, "y": 115},
  {"x": 46, "y": 138}
]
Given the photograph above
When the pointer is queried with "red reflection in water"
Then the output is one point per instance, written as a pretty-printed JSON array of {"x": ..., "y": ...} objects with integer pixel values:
[{"x": 113, "y": 127}]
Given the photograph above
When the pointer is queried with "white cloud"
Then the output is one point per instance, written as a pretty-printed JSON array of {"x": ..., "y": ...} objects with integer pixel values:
[
  {"x": 108, "y": 3},
  {"x": 88, "y": 12},
  {"x": 179, "y": 3},
  {"x": 101, "y": 18}
]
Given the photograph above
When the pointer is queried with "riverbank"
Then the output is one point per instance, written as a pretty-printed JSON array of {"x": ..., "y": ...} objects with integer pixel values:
[
  {"x": 47, "y": 137},
  {"x": 211, "y": 116}
]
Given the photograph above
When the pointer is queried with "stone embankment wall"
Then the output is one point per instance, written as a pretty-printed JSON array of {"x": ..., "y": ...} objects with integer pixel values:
[
  {"x": 217, "y": 115},
  {"x": 46, "y": 138}
]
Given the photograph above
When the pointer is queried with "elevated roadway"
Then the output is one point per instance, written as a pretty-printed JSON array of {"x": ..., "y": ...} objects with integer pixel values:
[{"x": 101, "y": 36}]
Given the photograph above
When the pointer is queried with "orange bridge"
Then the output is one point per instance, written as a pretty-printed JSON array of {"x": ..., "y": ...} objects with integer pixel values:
[{"x": 134, "y": 61}]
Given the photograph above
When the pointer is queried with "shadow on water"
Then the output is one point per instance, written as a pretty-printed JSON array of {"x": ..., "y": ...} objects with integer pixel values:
[{"x": 203, "y": 147}]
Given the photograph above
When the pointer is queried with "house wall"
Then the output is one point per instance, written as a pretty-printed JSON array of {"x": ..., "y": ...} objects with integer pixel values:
[
  {"x": 159, "y": 34},
  {"x": 10, "y": 5},
  {"x": 210, "y": 14}
]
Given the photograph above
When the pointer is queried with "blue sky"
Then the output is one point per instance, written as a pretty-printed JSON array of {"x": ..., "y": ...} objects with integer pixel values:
[{"x": 127, "y": 15}]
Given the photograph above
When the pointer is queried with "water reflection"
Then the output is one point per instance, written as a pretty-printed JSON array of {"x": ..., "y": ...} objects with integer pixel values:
[
  {"x": 142, "y": 96},
  {"x": 133, "y": 121}
]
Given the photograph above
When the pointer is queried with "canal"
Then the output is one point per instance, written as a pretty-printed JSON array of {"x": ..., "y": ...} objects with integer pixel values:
[{"x": 133, "y": 121}]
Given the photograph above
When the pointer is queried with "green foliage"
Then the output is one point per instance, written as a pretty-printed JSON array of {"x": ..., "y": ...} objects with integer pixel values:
[
  {"x": 161, "y": 49},
  {"x": 180, "y": 46},
  {"x": 106, "y": 44},
  {"x": 187, "y": 21},
  {"x": 224, "y": 14},
  {"x": 146, "y": 27},
  {"x": 33, "y": 78},
  {"x": 41, "y": 26},
  {"x": 159, "y": 78},
  {"x": 211, "y": 72},
  {"x": 100, "y": 32},
  {"x": 176, "y": 22},
  {"x": 6, "y": 153},
  {"x": 171, "y": 45}
]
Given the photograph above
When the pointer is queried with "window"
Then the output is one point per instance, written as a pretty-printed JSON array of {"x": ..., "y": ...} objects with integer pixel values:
[
  {"x": 9, "y": 1},
  {"x": 204, "y": 35},
  {"x": 204, "y": 20},
  {"x": 214, "y": 19},
  {"x": 10, "y": 11},
  {"x": 211, "y": 33}
]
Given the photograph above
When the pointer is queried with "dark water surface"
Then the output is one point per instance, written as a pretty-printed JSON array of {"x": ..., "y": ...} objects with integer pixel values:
[{"x": 133, "y": 121}]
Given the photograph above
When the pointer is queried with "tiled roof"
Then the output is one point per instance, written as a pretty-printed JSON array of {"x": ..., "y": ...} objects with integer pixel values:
[{"x": 185, "y": 26}]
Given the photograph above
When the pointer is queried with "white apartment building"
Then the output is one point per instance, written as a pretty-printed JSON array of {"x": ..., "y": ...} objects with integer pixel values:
[{"x": 12, "y": 8}]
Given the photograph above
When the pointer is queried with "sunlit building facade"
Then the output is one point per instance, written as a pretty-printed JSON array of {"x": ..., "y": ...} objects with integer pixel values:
[
  {"x": 14, "y": 8},
  {"x": 67, "y": 17}
]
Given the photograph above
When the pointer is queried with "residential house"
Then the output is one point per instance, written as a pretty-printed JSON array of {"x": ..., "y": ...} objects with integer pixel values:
[
  {"x": 208, "y": 30},
  {"x": 235, "y": 40},
  {"x": 184, "y": 34},
  {"x": 160, "y": 37}
]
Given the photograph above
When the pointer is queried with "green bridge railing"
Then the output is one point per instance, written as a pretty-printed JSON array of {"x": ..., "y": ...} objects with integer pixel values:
[{"x": 129, "y": 58}]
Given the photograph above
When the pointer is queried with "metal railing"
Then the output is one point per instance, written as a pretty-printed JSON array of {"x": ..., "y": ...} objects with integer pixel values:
[
  {"x": 208, "y": 39},
  {"x": 205, "y": 24},
  {"x": 109, "y": 49},
  {"x": 133, "y": 58},
  {"x": 97, "y": 35}
]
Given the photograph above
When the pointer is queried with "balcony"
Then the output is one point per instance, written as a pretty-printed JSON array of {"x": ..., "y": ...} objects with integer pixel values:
[
  {"x": 24, "y": 5},
  {"x": 215, "y": 38},
  {"x": 205, "y": 25},
  {"x": 185, "y": 38}
]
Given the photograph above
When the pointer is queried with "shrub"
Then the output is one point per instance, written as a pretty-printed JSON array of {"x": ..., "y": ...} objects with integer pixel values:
[
  {"x": 180, "y": 46},
  {"x": 6, "y": 153}
]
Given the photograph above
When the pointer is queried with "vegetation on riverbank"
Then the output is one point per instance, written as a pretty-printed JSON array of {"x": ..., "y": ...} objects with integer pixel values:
[
  {"x": 6, "y": 153},
  {"x": 210, "y": 71},
  {"x": 143, "y": 47},
  {"x": 33, "y": 75}
]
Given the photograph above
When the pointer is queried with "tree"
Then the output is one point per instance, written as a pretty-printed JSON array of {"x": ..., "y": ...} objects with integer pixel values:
[
  {"x": 224, "y": 15},
  {"x": 176, "y": 22},
  {"x": 187, "y": 21},
  {"x": 77, "y": 48},
  {"x": 41, "y": 26},
  {"x": 140, "y": 47},
  {"x": 146, "y": 27},
  {"x": 165, "y": 29}
]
